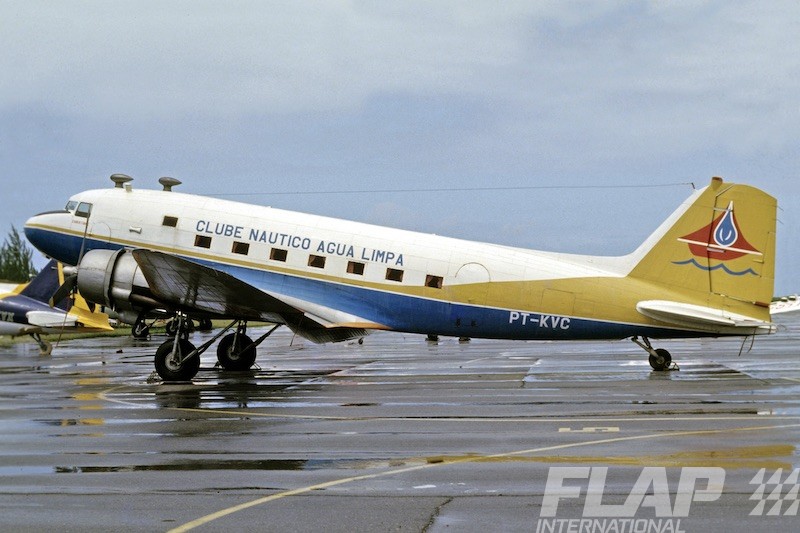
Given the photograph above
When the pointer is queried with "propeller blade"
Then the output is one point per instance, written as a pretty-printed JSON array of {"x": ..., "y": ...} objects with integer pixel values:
[{"x": 64, "y": 290}]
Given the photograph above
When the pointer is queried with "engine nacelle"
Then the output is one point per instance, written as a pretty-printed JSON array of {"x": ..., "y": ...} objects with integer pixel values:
[{"x": 112, "y": 278}]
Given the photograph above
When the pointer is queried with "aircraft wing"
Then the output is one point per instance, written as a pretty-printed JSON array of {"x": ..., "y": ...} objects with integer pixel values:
[{"x": 191, "y": 286}]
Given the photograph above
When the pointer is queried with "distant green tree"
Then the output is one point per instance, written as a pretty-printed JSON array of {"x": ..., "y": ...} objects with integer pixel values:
[{"x": 16, "y": 263}]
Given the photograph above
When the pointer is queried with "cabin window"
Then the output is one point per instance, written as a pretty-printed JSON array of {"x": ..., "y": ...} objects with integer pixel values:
[
  {"x": 316, "y": 261},
  {"x": 354, "y": 267},
  {"x": 278, "y": 254},
  {"x": 171, "y": 222},
  {"x": 83, "y": 210},
  {"x": 241, "y": 248},
  {"x": 393, "y": 274},
  {"x": 71, "y": 205},
  {"x": 202, "y": 241},
  {"x": 434, "y": 282}
]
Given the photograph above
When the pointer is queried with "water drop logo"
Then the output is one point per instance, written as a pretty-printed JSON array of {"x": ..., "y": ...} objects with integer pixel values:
[
  {"x": 726, "y": 233},
  {"x": 722, "y": 240}
]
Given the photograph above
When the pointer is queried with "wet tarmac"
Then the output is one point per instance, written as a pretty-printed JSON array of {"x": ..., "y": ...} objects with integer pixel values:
[{"x": 401, "y": 434}]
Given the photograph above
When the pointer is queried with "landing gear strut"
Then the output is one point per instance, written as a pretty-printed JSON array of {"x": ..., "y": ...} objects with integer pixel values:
[
  {"x": 45, "y": 348},
  {"x": 660, "y": 359},
  {"x": 141, "y": 329},
  {"x": 179, "y": 360},
  {"x": 176, "y": 360},
  {"x": 237, "y": 351}
]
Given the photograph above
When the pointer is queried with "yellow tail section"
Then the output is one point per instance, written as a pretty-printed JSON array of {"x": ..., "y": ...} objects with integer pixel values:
[{"x": 717, "y": 250}]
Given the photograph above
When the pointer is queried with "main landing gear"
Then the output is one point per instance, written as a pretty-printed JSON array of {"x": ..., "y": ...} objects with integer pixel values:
[
  {"x": 660, "y": 359},
  {"x": 179, "y": 360}
]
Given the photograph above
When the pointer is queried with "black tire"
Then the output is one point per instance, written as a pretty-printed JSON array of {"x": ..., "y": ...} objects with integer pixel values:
[
  {"x": 661, "y": 361},
  {"x": 168, "y": 370},
  {"x": 171, "y": 327},
  {"x": 232, "y": 357},
  {"x": 204, "y": 324},
  {"x": 140, "y": 330}
]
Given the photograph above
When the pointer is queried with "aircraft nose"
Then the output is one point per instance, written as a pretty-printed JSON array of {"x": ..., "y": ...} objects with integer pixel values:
[
  {"x": 48, "y": 233},
  {"x": 33, "y": 231}
]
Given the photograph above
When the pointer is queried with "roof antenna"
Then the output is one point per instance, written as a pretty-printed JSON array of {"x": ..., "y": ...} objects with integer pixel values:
[
  {"x": 168, "y": 183},
  {"x": 120, "y": 180}
]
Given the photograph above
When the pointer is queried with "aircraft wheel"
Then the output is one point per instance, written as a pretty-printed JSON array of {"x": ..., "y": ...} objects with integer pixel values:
[
  {"x": 233, "y": 357},
  {"x": 140, "y": 330},
  {"x": 171, "y": 327},
  {"x": 171, "y": 368},
  {"x": 205, "y": 325},
  {"x": 661, "y": 360}
]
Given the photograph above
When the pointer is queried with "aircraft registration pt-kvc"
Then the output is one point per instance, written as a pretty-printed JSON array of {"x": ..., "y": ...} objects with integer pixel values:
[{"x": 707, "y": 271}]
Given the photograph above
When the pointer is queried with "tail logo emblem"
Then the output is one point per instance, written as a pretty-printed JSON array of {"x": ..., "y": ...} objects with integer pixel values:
[{"x": 721, "y": 240}]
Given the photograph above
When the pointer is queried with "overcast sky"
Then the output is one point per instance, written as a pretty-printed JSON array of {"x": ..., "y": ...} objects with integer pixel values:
[{"x": 253, "y": 99}]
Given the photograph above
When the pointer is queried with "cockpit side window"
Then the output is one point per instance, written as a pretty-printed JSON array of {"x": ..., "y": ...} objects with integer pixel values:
[
  {"x": 83, "y": 210},
  {"x": 71, "y": 205}
]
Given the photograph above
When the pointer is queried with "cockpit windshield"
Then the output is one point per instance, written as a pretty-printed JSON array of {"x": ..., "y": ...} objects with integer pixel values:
[
  {"x": 84, "y": 210},
  {"x": 79, "y": 209}
]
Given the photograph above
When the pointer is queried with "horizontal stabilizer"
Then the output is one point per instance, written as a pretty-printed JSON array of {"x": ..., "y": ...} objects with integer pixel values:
[{"x": 683, "y": 314}]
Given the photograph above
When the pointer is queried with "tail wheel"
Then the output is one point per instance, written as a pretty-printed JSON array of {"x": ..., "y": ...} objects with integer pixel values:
[
  {"x": 235, "y": 352},
  {"x": 175, "y": 366},
  {"x": 661, "y": 360}
]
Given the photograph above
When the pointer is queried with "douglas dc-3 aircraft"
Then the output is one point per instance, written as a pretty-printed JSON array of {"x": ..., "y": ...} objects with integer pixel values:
[
  {"x": 24, "y": 310},
  {"x": 707, "y": 271}
]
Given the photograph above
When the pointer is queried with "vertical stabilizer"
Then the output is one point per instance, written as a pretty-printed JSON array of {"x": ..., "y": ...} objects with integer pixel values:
[
  {"x": 42, "y": 287},
  {"x": 717, "y": 250}
]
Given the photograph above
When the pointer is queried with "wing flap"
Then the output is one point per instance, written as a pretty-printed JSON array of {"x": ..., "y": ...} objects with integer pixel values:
[{"x": 328, "y": 316}]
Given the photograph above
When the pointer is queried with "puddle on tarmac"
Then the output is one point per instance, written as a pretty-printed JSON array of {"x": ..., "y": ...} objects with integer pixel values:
[{"x": 232, "y": 464}]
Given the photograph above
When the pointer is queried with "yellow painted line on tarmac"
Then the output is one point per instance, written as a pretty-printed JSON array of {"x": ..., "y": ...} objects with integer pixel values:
[{"x": 472, "y": 459}]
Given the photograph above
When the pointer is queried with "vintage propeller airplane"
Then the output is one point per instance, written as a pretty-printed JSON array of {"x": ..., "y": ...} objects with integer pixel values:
[
  {"x": 24, "y": 310},
  {"x": 706, "y": 271}
]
